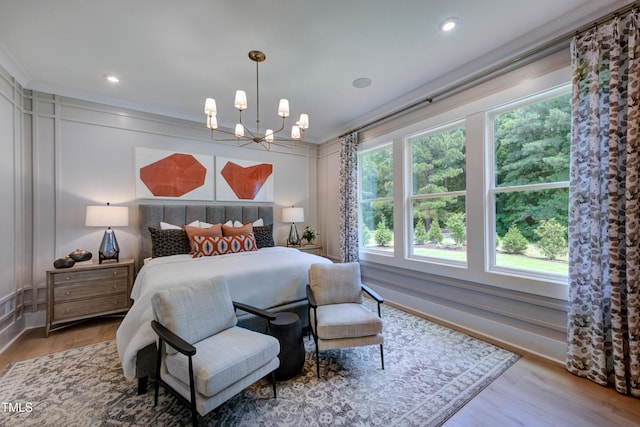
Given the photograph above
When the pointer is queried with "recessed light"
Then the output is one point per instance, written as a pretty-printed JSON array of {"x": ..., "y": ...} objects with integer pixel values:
[
  {"x": 361, "y": 82},
  {"x": 113, "y": 79},
  {"x": 448, "y": 24}
]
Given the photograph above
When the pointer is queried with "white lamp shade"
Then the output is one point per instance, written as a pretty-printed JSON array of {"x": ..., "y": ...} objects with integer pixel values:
[
  {"x": 304, "y": 121},
  {"x": 210, "y": 106},
  {"x": 283, "y": 108},
  {"x": 241, "y": 100},
  {"x": 107, "y": 216},
  {"x": 293, "y": 215}
]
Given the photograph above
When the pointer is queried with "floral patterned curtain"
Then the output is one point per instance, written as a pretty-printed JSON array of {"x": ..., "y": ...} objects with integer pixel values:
[
  {"x": 348, "y": 188},
  {"x": 604, "y": 240}
]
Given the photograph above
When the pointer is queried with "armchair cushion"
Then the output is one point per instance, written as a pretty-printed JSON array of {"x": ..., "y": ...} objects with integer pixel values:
[
  {"x": 345, "y": 321},
  {"x": 197, "y": 311},
  {"x": 336, "y": 283},
  {"x": 223, "y": 359}
]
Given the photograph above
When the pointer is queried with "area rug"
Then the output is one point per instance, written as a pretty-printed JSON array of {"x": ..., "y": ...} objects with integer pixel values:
[{"x": 430, "y": 373}]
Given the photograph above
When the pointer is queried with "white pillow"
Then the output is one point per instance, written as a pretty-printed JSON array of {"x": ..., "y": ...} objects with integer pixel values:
[
  {"x": 167, "y": 226},
  {"x": 237, "y": 224}
]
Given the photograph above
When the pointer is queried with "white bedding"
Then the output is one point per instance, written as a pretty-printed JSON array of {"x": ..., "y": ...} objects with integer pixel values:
[{"x": 265, "y": 278}]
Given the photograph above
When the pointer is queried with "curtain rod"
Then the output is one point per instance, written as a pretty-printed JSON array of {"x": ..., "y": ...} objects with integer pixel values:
[{"x": 548, "y": 47}]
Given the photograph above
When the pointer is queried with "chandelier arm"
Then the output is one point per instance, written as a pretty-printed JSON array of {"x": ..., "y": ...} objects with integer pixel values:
[{"x": 228, "y": 133}]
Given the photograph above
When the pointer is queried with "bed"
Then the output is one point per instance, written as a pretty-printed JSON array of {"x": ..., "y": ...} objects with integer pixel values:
[{"x": 272, "y": 277}]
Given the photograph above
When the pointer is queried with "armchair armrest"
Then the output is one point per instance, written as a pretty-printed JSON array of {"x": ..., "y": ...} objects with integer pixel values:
[
  {"x": 311, "y": 297},
  {"x": 254, "y": 310},
  {"x": 172, "y": 339},
  {"x": 373, "y": 294}
]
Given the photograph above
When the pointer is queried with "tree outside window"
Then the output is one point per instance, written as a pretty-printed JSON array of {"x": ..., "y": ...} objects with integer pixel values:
[
  {"x": 438, "y": 180},
  {"x": 530, "y": 191},
  {"x": 376, "y": 198}
]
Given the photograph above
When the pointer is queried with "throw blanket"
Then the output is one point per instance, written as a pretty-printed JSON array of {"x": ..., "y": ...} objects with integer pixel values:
[{"x": 265, "y": 279}]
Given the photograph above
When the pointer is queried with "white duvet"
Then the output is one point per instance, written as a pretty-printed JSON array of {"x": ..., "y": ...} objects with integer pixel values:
[{"x": 265, "y": 278}]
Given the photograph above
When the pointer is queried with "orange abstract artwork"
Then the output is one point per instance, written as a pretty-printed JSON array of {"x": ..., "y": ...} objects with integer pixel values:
[
  {"x": 246, "y": 182},
  {"x": 173, "y": 176}
]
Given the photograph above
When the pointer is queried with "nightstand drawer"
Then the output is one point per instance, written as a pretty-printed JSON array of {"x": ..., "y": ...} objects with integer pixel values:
[
  {"x": 80, "y": 309},
  {"x": 90, "y": 275},
  {"x": 70, "y": 292}
]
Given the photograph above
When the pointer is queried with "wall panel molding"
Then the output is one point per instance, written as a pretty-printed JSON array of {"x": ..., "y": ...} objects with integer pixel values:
[{"x": 535, "y": 324}]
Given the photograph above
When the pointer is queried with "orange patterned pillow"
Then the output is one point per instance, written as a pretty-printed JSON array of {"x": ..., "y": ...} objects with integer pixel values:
[
  {"x": 236, "y": 231},
  {"x": 209, "y": 246},
  {"x": 213, "y": 231}
]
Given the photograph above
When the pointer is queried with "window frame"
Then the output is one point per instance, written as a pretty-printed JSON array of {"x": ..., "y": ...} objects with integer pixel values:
[
  {"x": 408, "y": 147},
  {"x": 363, "y": 152},
  {"x": 493, "y": 189}
]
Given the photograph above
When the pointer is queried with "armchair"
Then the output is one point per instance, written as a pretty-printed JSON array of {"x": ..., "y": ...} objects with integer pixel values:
[
  {"x": 204, "y": 359},
  {"x": 337, "y": 316}
]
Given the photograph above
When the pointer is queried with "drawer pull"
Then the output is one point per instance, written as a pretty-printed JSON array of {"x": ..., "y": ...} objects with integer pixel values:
[
  {"x": 67, "y": 293},
  {"x": 66, "y": 278},
  {"x": 115, "y": 273}
]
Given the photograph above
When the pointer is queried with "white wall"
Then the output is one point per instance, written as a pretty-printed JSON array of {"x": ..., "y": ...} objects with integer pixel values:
[{"x": 83, "y": 153}]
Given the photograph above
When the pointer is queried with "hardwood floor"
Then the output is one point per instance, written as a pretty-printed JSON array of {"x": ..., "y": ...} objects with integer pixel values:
[{"x": 533, "y": 392}]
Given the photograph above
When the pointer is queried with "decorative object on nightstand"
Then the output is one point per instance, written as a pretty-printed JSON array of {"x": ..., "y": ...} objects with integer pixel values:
[
  {"x": 80, "y": 255},
  {"x": 87, "y": 290},
  {"x": 65, "y": 262},
  {"x": 293, "y": 215},
  {"x": 309, "y": 234},
  {"x": 108, "y": 216}
]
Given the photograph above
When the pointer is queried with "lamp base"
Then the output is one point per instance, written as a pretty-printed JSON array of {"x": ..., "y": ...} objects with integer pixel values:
[
  {"x": 109, "y": 249},
  {"x": 293, "y": 239}
]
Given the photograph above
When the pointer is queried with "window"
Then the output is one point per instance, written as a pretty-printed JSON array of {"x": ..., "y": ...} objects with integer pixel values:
[
  {"x": 376, "y": 198},
  {"x": 530, "y": 186},
  {"x": 437, "y": 200}
]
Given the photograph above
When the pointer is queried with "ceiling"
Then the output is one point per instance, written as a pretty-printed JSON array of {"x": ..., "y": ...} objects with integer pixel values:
[{"x": 169, "y": 55}]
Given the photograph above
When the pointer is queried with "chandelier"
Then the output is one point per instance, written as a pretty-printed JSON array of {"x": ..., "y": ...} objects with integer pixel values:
[{"x": 242, "y": 134}]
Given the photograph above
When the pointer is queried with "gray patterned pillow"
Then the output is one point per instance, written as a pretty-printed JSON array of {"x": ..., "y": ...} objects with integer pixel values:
[
  {"x": 169, "y": 242},
  {"x": 264, "y": 236}
]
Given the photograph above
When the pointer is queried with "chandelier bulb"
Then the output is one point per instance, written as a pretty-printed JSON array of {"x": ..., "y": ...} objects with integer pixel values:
[
  {"x": 268, "y": 135},
  {"x": 239, "y": 130},
  {"x": 304, "y": 121},
  {"x": 295, "y": 132},
  {"x": 241, "y": 100},
  {"x": 283, "y": 108},
  {"x": 212, "y": 121},
  {"x": 210, "y": 106}
]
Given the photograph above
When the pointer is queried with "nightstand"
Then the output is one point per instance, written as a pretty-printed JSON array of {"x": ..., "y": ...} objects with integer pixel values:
[
  {"x": 312, "y": 249},
  {"x": 87, "y": 290}
]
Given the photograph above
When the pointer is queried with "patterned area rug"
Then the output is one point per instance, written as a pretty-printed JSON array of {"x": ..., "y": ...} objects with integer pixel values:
[{"x": 430, "y": 373}]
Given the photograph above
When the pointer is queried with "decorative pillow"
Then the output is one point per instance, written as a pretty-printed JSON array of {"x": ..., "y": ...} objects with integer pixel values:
[
  {"x": 236, "y": 231},
  {"x": 213, "y": 231},
  {"x": 264, "y": 236},
  {"x": 209, "y": 246},
  {"x": 169, "y": 242}
]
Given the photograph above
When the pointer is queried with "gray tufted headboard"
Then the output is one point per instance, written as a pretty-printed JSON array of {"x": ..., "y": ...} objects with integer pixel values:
[{"x": 151, "y": 215}]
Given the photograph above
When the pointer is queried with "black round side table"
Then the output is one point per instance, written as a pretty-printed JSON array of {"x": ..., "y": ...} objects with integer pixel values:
[{"x": 287, "y": 328}]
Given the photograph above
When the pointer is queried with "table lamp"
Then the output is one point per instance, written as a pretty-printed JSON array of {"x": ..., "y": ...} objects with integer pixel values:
[
  {"x": 108, "y": 216},
  {"x": 293, "y": 215}
]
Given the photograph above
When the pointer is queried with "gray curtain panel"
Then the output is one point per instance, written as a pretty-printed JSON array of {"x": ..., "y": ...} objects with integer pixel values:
[
  {"x": 348, "y": 188},
  {"x": 604, "y": 244}
]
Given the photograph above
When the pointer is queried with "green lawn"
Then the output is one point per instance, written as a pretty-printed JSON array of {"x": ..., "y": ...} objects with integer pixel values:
[{"x": 532, "y": 261}]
